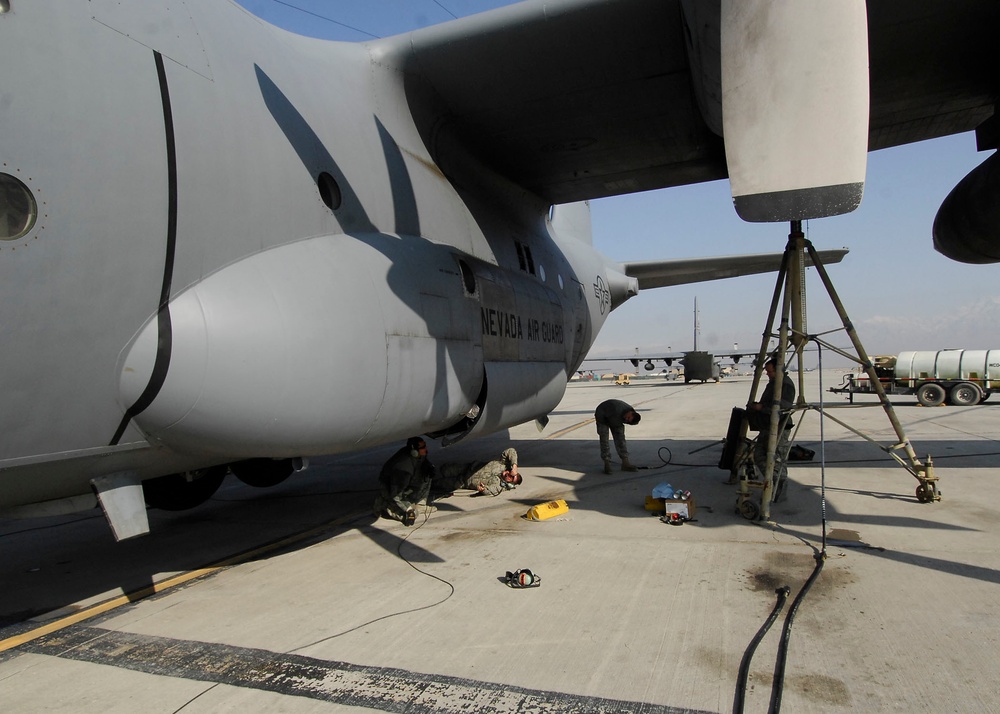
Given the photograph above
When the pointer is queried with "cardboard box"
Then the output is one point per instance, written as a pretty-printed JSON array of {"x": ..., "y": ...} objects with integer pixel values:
[{"x": 671, "y": 505}]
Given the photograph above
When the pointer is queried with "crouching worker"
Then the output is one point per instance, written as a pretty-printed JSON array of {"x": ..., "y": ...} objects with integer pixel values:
[
  {"x": 489, "y": 478},
  {"x": 404, "y": 482}
]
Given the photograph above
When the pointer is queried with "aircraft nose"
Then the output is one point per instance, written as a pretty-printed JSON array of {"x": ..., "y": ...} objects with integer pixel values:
[{"x": 262, "y": 355}]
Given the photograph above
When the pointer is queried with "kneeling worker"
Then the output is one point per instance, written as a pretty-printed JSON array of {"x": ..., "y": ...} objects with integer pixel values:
[
  {"x": 612, "y": 416},
  {"x": 405, "y": 481},
  {"x": 489, "y": 478}
]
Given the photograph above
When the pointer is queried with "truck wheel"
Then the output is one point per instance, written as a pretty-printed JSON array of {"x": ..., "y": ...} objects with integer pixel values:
[
  {"x": 931, "y": 394},
  {"x": 965, "y": 394},
  {"x": 986, "y": 395}
]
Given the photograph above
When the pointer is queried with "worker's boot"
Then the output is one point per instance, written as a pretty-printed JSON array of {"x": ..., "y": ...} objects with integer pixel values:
[
  {"x": 607, "y": 466},
  {"x": 627, "y": 465}
]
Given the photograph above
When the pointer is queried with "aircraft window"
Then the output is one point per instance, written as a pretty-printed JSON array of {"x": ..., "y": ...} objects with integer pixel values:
[
  {"x": 329, "y": 191},
  {"x": 541, "y": 272},
  {"x": 562, "y": 285},
  {"x": 524, "y": 258},
  {"x": 468, "y": 277},
  {"x": 18, "y": 209}
]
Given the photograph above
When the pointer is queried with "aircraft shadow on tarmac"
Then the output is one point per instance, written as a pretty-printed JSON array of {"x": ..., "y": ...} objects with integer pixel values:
[{"x": 49, "y": 564}]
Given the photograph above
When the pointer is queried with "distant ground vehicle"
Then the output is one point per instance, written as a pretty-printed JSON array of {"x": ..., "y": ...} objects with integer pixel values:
[
  {"x": 962, "y": 377},
  {"x": 701, "y": 366}
]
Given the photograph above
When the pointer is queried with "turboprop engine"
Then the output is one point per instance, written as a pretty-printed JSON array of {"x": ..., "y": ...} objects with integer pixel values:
[{"x": 967, "y": 226}]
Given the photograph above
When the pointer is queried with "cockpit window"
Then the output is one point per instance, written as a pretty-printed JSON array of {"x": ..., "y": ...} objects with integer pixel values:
[{"x": 18, "y": 209}]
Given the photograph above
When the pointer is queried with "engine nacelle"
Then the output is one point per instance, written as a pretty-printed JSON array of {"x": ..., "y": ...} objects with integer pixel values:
[{"x": 967, "y": 226}]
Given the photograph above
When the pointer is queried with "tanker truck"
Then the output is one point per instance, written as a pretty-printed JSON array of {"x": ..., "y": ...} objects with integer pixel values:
[{"x": 960, "y": 377}]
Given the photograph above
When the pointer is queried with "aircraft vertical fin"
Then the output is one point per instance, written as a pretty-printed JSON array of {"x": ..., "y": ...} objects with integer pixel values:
[{"x": 572, "y": 220}]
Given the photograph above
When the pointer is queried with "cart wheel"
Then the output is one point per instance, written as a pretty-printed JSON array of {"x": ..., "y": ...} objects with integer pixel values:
[
  {"x": 925, "y": 493},
  {"x": 748, "y": 509}
]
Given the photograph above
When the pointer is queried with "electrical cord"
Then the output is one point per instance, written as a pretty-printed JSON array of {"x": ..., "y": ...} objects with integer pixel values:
[
  {"x": 778, "y": 681},
  {"x": 741, "y": 680},
  {"x": 399, "y": 549}
]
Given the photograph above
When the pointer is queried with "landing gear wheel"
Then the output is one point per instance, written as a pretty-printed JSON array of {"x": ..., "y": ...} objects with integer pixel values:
[
  {"x": 931, "y": 394},
  {"x": 179, "y": 492},
  {"x": 748, "y": 509},
  {"x": 965, "y": 394},
  {"x": 925, "y": 493},
  {"x": 262, "y": 473}
]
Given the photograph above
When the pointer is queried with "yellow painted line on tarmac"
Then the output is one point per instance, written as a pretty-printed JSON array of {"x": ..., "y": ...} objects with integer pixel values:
[
  {"x": 161, "y": 586},
  {"x": 568, "y": 429}
]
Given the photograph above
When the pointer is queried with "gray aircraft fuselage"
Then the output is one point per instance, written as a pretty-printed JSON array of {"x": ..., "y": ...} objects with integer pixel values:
[{"x": 244, "y": 248}]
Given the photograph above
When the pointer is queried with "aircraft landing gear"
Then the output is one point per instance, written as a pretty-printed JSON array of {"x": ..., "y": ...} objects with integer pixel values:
[
  {"x": 263, "y": 473},
  {"x": 179, "y": 492}
]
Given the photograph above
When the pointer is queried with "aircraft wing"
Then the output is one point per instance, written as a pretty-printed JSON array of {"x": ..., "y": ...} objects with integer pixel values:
[
  {"x": 580, "y": 99},
  {"x": 664, "y": 273}
]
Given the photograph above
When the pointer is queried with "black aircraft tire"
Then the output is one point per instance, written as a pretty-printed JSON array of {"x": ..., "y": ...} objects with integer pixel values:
[
  {"x": 262, "y": 473},
  {"x": 931, "y": 394},
  {"x": 179, "y": 492}
]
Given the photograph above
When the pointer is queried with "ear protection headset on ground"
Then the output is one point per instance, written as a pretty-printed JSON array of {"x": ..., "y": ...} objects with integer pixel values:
[{"x": 523, "y": 578}]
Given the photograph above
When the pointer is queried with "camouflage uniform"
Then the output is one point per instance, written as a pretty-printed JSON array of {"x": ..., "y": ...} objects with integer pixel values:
[
  {"x": 453, "y": 477},
  {"x": 762, "y": 421},
  {"x": 405, "y": 481}
]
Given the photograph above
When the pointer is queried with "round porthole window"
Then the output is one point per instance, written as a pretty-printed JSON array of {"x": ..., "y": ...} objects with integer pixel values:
[{"x": 18, "y": 209}]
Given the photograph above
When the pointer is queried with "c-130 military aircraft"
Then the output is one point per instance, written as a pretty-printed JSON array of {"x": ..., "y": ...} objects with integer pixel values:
[{"x": 210, "y": 227}]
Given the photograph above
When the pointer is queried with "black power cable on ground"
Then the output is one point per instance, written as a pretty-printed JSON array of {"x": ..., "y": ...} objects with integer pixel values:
[
  {"x": 778, "y": 682},
  {"x": 741, "y": 680}
]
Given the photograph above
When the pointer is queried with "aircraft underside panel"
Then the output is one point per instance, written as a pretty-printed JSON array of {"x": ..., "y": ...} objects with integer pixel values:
[
  {"x": 434, "y": 379},
  {"x": 520, "y": 392}
]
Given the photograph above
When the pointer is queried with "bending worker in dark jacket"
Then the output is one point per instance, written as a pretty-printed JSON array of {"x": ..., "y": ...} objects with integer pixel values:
[{"x": 612, "y": 416}]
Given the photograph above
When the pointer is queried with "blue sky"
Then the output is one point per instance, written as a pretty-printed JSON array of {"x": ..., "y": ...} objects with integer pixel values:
[{"x": 899, "y": 293}]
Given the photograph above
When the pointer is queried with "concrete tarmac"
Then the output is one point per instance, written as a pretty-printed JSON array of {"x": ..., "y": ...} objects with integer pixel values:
[{"x": 332, "y": 610}]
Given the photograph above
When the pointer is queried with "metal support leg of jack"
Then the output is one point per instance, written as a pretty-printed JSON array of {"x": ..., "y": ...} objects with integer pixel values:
[{"x": 793, "y": 335}]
